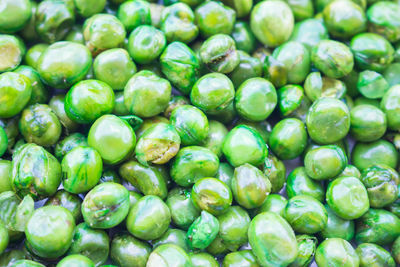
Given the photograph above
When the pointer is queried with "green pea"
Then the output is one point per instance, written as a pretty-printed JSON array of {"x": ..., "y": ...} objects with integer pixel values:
[
  {"x": 126, "y": 249},
  {"x": 169, "y": 255},
  {"x": 249, "y": 67},
  {"x": 149, "y": 122},
  {"x": 225, "y": 173},
  {"x": 274, "y": 203},
  {"x": 365, "y": 155},
  {"x": 390, "y": 105},
  {"x": 76, "y": 260},
  {"x": 391, "y": 74},
  {"x": 3, "y": 141},
  {"x": 243, "y": 36},
  {"x": 335, "y": 252},
  {"x": 377, "y": 226},
  {"x": 217, "y": 247},
  {"x": 67, "y": 200},
  {"x": 15, "y": 93},
  {"x": 3, "y": 237},
  {"x": 119, "y": 107},
  {"x": 337, "y": 227},
  {"x": 75, "y": 35},
  {"x": 383, "y": 20},
  {"x": 347, "y": 197},
  {"x": 202, "y": 231},
  {"x": 106, "y": 205},
  {"x": 39, "y": 94},
  {"x": 68, "y": 143},
  {"x": 33, "y": 54},
  {"x": 226, "y": 115},
  {"x": 350, "y": 170},
  {"x": 372, "y": 84},
  {"x": 15, "y": 15},
  {"x": 213, "y": 18},
  {"x": 374, "y": 255},
  {"x": 5, "y": 175},
  {"x": 12, "y": 50},
  {"x": 395, "y": 250},
  {"x": 368, "y": 123},
  {"x": 240, "y": 258},
  {"x": 134, "y": 198},
  {"x": 275, "y": 171},
  {"x": 216, "y": 136},
  {"x": 27, "y": 263},
  {"x": 183, "y": 211},
  {"x": 306, "y": 246},
  {"x": 299, "y": 183},
  {"x": 272, "y": 22},
  {"x": 57, "y": 104},
  {"x": 309, "y": 32},
  {"x": 203, "y": 259},
  {"x": 272, "y": 240},
  {"x": 173, "y": 236},
  {"x": 10, "y": 257},
  {"x": 244, "y": 145},
  {"x": 317, "y": 87},
  {"x": 133, "y": 14}
]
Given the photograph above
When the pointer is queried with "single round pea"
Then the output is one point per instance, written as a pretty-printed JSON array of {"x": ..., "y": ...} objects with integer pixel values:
[
  {"x": 68, "y": 143},
  {"x": 365, "y": 155},
  {"x": 106, "y": 205},
  {"x": 33, "y": 54},
  {"x": 307, "y": 245},
  {"x": 12, "y": 51},
  {"x": 126, "y": 249},
  {"x": 5, "y": 175},
  {"x": 49, "y": 231},
  {"x": 15, "y": 93},
  {"x": 299, "y": 183},
  {"x": 15, "y": 14},
  {"x": 390, "y": 104},
  {"x": 40, "y": 94},
  {"x": 383, "y": 19},
  {"x": 202, "y": 231},
  {"x": 173, "y": 236},
  {"x": 146, "y": 43},
  {"x": 309, "y": 32},
  {"x": 243, "y": 36},
  {"x": 75, "y": 260},
  {"x": 372, "y": 84},
  {"x": 216, "y": 136},
  {"x": 67, "y": 200},
  {"x": 57, "y": 104},
  {"x": 203, "y": 259},
  {"x": 274, "y": 203},
  {"x": 149, "y": 218},
  {"x": 211, "y": 195},
  {"x": 335, "y": 252},
  {"x": 347, "y": 197},
  {"x": 368, "y": 123},
  {"x": 275, "y": 171},
  {"x": 134, "y": 13},
  {"x": 337, "y": 227},
  {"x": 316, "y": 87},
  {"x": 169, "y": 255},
  {"x": 249, "y": 67},
  {"x": 374, "y": 255},
  {"x": 240, "y": 258}
]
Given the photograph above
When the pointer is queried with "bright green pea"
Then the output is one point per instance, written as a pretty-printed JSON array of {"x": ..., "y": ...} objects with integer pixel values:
[
  {"x": 202, "y": 231},
  {"x": 383, "y": 19},
  {"x": 134, "y": 13},
  {"x": 390, "y": 104},
  {"x": 249, "y": 67},
  {"x": 372, "y": 84},
  {"x": 126, "y": 249},
  {"x": 57, "y": 104},
  {"x": 335, "y": 252},
  {"x": 243, "y": 36},
  {"x": 3, "y": 141},
  {"x": 275, "y": 170},
  {"x": 15, "y": 14},
  {"x": 203, "y": 259},
  {"x": 337, "y": 227},
  {"x": 274, "y": 203},
  {"x": 216, "y": 136},
  {"x": 12, "y": 51},
  {"x": 15, "y": 93},
  {"x": 75, "y": 260},
  {"x": 395, "y": 250},
  {"x": 5, "y": 175},
  {"x": 309, "y": 32},
  {"x": 368, "y": 123},
  {"x": 299, "y": 183},
  {"x": 68, "y": 143},
  {"x": 173, "y": 236},
  {"x": 365, "y": 155},
  {"x": 306, "y": 246},
  {"x": 240, "y": 258},
  {"x": 33, "y": 54},
  {"x": 374, "y": 255},
  {"x": 168, "y": 255},
  {"x": 3, "y": 237},
  {"x": 316, "y": 87}
]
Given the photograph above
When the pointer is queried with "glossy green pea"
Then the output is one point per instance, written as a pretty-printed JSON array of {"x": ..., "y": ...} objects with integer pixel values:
[
  {"x": 395, "y": 250},
  {"x": 169, "y": 255},
  {"x": 337, "y": 227},
  {"x": 218, "y": 53},
  {"x": 372, "y": 84},
  {"x": 335, "y": 252},
  {"x": 214, "y": 18},
  {"x": 288, "y": 138},
  {"x": 216, "y": 136},
  {"x": 126, "y": 249},
  {"x": 11, "y": 128},
  {"x": 75, "y": 260},
  {"x": 134, "y": 13},
  {"x": 15, "y": 93},
  {"x": 263, "y": 127},
  {"x": 275, "y": 170},
  {"x": 368, "y": 123},
  {"x": 390, "y": 104},
  {"x": 191, "y": 124},
  {"x": 306, "y": 246},
  {"x": 183, "y": 211},
  {"x": 275, "y": 71},
  {"x": 146, "y": 43},
  {"x": 309, "y": 32},
  {"x": 250, "y": 187},
  {"x": 3, "y": 141},
  {"x": 33, "y": 54},
  {"x": 290, "y": 98},
  {"x": 57, "y": 104},
  {"x": 347, "y": 197},
  {"x": 305, "y": 214},
  {"x": 391, "y": 74},
  {"x": 272, "y": 22},
  {"x": 383, "y": 19},
  {"x": 119, "y": 107},
  {"x": 35, "y": 172},
  {"x": 102, "y": 32},
  {"x": 89, "y": 8},
  {"x": 63, "y": 64},
  {"x": 134, "y": 197},
  {"x": 211, "y": 195},
  {"x": 374, "y": 255},
  {"x": 249, "y": 67},
  {"x": 5, "y": 176},
  {"x": 316, "y": 87},
  {"x": 67, "y": 200},
  {"x": 272, "y": 240},
  {"x": 15, "y": 15},
  {"x": 244, "y": 145},
  {"x": 202, "y": 231},
  {"x": 147, "y": 179},
  {"x": 149, "y": 218},
  {"x": 365, "y": 155},
  {"x": 328, "y": 120},
  {"x": 68, "y": 143},
  {"x": 274, "y": 203},
  {"x": 106, "y": 205},
  {"x": 40, "y": 93},
  {"x": 3, "y": 237},
  {"x": 75, "y": 35},
  {"x": 361, "y": 100},
  {"x": 49, "y": 231},
  {"x": 350, "y": 170},
  {"x": 377, "y": 226},
  {"x": 203, "y": 259},
  {"x": 217, "y": 247},
  {"x": 240, "y": 258},
  {"x": 243, "y": 36},
  {"x": 173, "y": 236},
  {"x": 371, "y": 51},
  {"x": 226, "y": 115},
  {"x": 12, "y": 50},
  {"x": 27, "y": 263},
  {"x": 225, "y": 173},
  {"x": 112, "y": 148},
  {"x": 299, "y": 183}
]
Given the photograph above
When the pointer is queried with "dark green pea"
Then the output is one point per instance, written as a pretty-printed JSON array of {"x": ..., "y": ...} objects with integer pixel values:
[
  {"x": 390, "y": 105},
  {"x": 68, "y": 143},
  {"x": 377, "y": 226},
  {"x": 54, "y": 19},
  {"x": 272, "y": 22},
  {"x": 347, "y": 197},
  {"x": 244, "y": 145},
  {"x": 216, "y": 136},
  {"x": 335, "y": 252},
  {"x": 395, "y": 250},
  {"x": 305, "y": 214},
  {"x": 63, "y": 64},
  {"x": 371, "y": 51},
  {"x": 272, "y": 240},
  {"x": 368, "y": 123},
  {"x": 383, "y": 19},
  {"x": 218, "y": 53},
  {"x": 202, "y": 231},
  {"x": 177, "y": 23},
  {"x": 255, "y": 99},
  {"x": 350, "y": 81},
  {"x": 5, "y": 176},
  {"x": 57, "y": 104},
  {"x": 203, "y": 259},
  {"x": 14, "y": 15},
  {"x": 225, "y": 173},
  {"x": 214, "y": 18},
  {"x": 181, "y": 66},
  {"x": 146, "y": 43},
  {"x": 3, "y": 141},
  {"x": 114, "y": 67},
  {"x": 249, "y": 67},
  {"x": 35, "y": 172},
  {"x": 147, "y": 179},
  {"x": 382, "y": 185},
  {"x": 309, "y": 32},
  {"x": 102, "y": 32},
  {"x": 59, "y": 225},
  {"x": 306, "y": 246},
  {"x": 40, "y": 93},
  {"x": 243, "y": 36},
  {"x": 391, "y": 74},
  {"x": 67, "y": 200},
  {"x": 112, "y": 148},
  {"x": 12, "y": 51},
  {"x": 274, "y": 203},
  {"x": 134, "y": 13},
  {"x": 250, "y": 187},
  {"x": 288, "y": 138},
  {"x": 191, "y": 124},
  {"x": 299, "y": 183},
  {"x": 173, "y": 236},
  {"x": 374, "y": 255},
  {"x": 8, "y": 258},
  {"x": 372, "y": 84},
  {"x": 344, "y": 19},
  {"x": 15, "y": 93},
  {"x": 106, "y": 205},
  {"x": 242, "y": 258},
  {"x": 337, "y": 227},
  {"x": 275, "y": 171},
  {"x": 27, "y": 263},
  {"x": 126, "y": 249},
  {"x": 149, "y": 218},
  {"x": 328, "y": 120},
  {"x": 211, "y": 195},
  {"x": 365, "y": 155},
  {"x": 33, "y": 54},
  {"x": 169, "y": 255},
  {"x": 316, "y": 87},
  {"x": 226, "y": 115},
  {"x": 183, "y": 211}
]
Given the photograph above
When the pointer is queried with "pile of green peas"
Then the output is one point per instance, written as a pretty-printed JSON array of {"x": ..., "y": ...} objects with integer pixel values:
[{"x": 198, "y": 133}]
